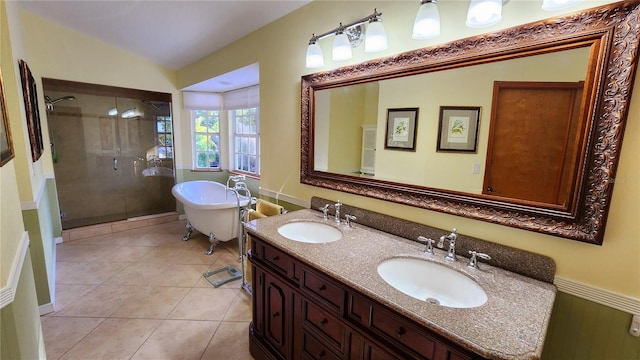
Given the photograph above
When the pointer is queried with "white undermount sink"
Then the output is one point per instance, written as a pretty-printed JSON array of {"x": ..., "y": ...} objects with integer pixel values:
[
  {"x": 432, "y": 282},
  {"x": 310, "y": 232}
]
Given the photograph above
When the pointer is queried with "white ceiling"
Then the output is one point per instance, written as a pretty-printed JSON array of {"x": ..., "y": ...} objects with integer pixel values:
[{"x": 173, "y": 33}]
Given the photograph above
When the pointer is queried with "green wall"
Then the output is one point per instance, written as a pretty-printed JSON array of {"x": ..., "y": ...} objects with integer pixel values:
[
  {"x": 20, "y": 326},
  {"x": 584, "y": 330}
]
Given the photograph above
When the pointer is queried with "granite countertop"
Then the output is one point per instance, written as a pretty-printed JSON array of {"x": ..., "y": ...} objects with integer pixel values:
[{"x": 512, "y": 324}]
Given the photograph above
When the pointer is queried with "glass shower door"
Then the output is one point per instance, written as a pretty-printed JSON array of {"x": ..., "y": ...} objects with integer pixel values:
[{"x": 101, "y": 146}]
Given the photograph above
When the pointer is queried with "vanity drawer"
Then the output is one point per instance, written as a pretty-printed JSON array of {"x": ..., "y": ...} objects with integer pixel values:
[
  {"x": 402, "y": 332},
  {"x": 320, "y": 321},
  {"x": 312, "y": 348},
  {"x": 325, "y": 290},
  {"x": 278, "y": 259}
]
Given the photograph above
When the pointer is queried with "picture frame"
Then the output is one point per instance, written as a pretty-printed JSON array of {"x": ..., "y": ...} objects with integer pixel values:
[
  {"x": 34, "y": 126},
  {"x": 458, "y": 129},
  {"x": 402, "y": 126},
  {"x": 6, "y": 142}
]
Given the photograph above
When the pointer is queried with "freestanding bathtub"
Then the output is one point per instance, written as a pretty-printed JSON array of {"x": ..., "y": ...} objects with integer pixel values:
[{"x": 211, "y": 208}]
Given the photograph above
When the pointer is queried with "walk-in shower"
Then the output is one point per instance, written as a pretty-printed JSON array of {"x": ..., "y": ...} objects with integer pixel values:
[{"x": 103, "y": 142}]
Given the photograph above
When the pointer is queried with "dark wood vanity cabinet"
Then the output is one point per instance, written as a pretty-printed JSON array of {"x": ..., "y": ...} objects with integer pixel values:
[{"x": 299, "y": 313}]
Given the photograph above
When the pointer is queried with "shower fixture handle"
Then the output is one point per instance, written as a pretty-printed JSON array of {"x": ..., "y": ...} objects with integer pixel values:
[{"x": 115, "y": 164}]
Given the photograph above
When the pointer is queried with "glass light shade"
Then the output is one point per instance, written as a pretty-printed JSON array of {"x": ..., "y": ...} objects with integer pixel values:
[
  {"x": 483, "y": 13},
  {"x": 341, "y": 48},
  {"x": 427, "y": 22},
  {"x": 552, "y": 5},
  {"x": 314, "y": 56},
  {"x": 376, "y": 37}
]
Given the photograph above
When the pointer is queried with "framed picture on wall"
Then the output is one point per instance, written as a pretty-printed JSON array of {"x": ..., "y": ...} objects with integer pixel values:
[
  {"x": 31, "y": 108},
  {"x": 458, "y": 128},
  {"x": 6, "y": 144},
  {"x": 401, "y": 129}
]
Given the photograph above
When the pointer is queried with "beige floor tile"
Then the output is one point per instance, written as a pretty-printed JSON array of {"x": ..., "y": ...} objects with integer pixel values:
[
  {"x": 68, "y": 293},
  {"x": 178, "y": 339},
  {"x": 95, "y": 272},
  {"x": 230, "y": 342},
  {"x": 183, "y": 256},
  {"x": 180, "y": 275},
  {"x": 151, "y": 303},
  {"x": 102, "y": 301},
  {"x": 113, "y": 339},
  {"x": 127, "y": 254},
  {"x": 82, "y": 252},
  {"x": 240, "y": 309},
  {"x": 204, "y": 304},
  {"x": 138, "y": 274},
  {"x": 62, "y": 333}
]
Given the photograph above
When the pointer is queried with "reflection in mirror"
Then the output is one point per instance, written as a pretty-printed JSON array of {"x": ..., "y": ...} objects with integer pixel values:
[
  {"x": 342, "y": 112},
  {"x": 594, "y": 52}
]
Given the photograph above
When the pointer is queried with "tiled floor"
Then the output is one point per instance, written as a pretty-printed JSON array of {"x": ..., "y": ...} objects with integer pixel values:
[{"x": 140, "y": 294}]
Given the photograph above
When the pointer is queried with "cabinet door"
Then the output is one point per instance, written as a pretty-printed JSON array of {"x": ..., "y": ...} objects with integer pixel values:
[
  {"x": 258, "y": 300},
  {"x": 277, "y": 314}
]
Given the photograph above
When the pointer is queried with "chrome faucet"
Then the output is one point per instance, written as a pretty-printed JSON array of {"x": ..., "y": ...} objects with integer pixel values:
[
  {"x": 451, "y": 254},
  {"x": 325, "y": 211},
  {"x": 337, "y": 206}
]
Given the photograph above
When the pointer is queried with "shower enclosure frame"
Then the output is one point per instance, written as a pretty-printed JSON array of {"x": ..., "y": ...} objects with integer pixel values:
[{"x": 110, "y": 177}]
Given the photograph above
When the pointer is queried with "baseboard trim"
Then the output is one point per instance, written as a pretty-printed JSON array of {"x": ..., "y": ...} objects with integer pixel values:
[
  {"x": 8, "y": 293},
  {"x": 284, "y": 197},
  {"x": 58, "y": 240},
  {"x": 46, "y": 309},
  {"x": 597, "y": 295}
]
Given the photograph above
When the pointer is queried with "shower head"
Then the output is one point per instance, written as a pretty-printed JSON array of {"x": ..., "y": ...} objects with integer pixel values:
[{"x": 49, "y": 102}]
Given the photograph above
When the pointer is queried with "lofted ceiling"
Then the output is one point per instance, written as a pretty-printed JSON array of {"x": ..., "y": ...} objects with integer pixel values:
[{"x": 172, "y": 33}]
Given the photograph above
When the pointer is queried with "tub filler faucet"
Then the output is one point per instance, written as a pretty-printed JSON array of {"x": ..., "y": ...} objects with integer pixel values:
[{"x": 451, "y": 254}]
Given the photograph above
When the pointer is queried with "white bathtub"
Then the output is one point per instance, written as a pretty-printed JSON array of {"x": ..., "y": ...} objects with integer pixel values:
[{"x": 211, "y": 208}]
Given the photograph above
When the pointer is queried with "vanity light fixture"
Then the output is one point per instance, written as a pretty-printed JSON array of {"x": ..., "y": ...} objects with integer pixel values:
[
  {"x": 348, "y": 36},
  {"x": 483, "y": 13},
  {"x": 427, "y": 22},
  {"x": 552, "y": 5}
]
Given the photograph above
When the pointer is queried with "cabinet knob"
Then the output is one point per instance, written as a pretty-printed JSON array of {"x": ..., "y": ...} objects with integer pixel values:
[
  {"x": 322, "y": 288},
  {"x": 275, "y": 314},
  {"x": 401, "y": 331},
  {"x": 275, "y": 258},
  {"x": 323, "y": 322},
  {"x": 321, "y": 354}
]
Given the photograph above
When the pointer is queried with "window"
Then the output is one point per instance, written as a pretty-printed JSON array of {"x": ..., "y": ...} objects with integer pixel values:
[
  {"x": 207, "y": 138},
  {"x": 246, "y": 154},
  {"x": 165, "y": 138}
]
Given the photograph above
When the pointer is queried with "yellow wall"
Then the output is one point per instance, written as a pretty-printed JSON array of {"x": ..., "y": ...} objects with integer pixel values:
[
  {"x": 11, "y": 225},
  {"x": 282, "y": 64},
  {"x": 58, "y": 52}
]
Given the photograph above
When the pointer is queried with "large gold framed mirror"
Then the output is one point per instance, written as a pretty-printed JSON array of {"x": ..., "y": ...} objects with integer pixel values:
[{"x": 594, "y": 53}]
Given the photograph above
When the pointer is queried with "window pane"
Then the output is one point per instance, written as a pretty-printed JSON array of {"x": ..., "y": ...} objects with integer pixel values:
[
  {"x": 201, "y": 142},
  {"x": 213, "y": 143},
  {"x": 162, "y": 152},
  {"x": 214, "y": 161},
  {"x": 202, "y": 160},
  {"x": 160, "y": 126}
]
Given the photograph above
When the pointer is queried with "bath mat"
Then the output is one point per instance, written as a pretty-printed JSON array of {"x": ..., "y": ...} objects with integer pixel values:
[{"x": 223, "y": 275}]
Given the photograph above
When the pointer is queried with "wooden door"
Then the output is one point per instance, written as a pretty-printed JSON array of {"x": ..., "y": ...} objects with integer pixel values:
[{"x": 535, "y": 140}]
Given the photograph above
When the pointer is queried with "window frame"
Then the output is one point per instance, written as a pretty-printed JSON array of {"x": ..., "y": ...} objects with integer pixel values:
[
  {"x": 194, "y": 143},
  {"x": 234, "y": 135}
]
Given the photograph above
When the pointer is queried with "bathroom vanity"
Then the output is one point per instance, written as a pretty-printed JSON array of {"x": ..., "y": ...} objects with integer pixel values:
[{"x": 327, "y": 301}]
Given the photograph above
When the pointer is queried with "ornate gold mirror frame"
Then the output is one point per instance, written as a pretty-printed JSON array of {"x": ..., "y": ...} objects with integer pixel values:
[{"x": 612, "y": 31}]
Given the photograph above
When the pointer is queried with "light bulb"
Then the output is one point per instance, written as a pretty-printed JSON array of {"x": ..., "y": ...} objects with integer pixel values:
[
  {"x": 376, "y": 37},
  {"x": 314, "y": 55},
  {"x": 341, "y": 47},
  {"x": 427, "y": 22},
  {"x": 483, "y": 13}
]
